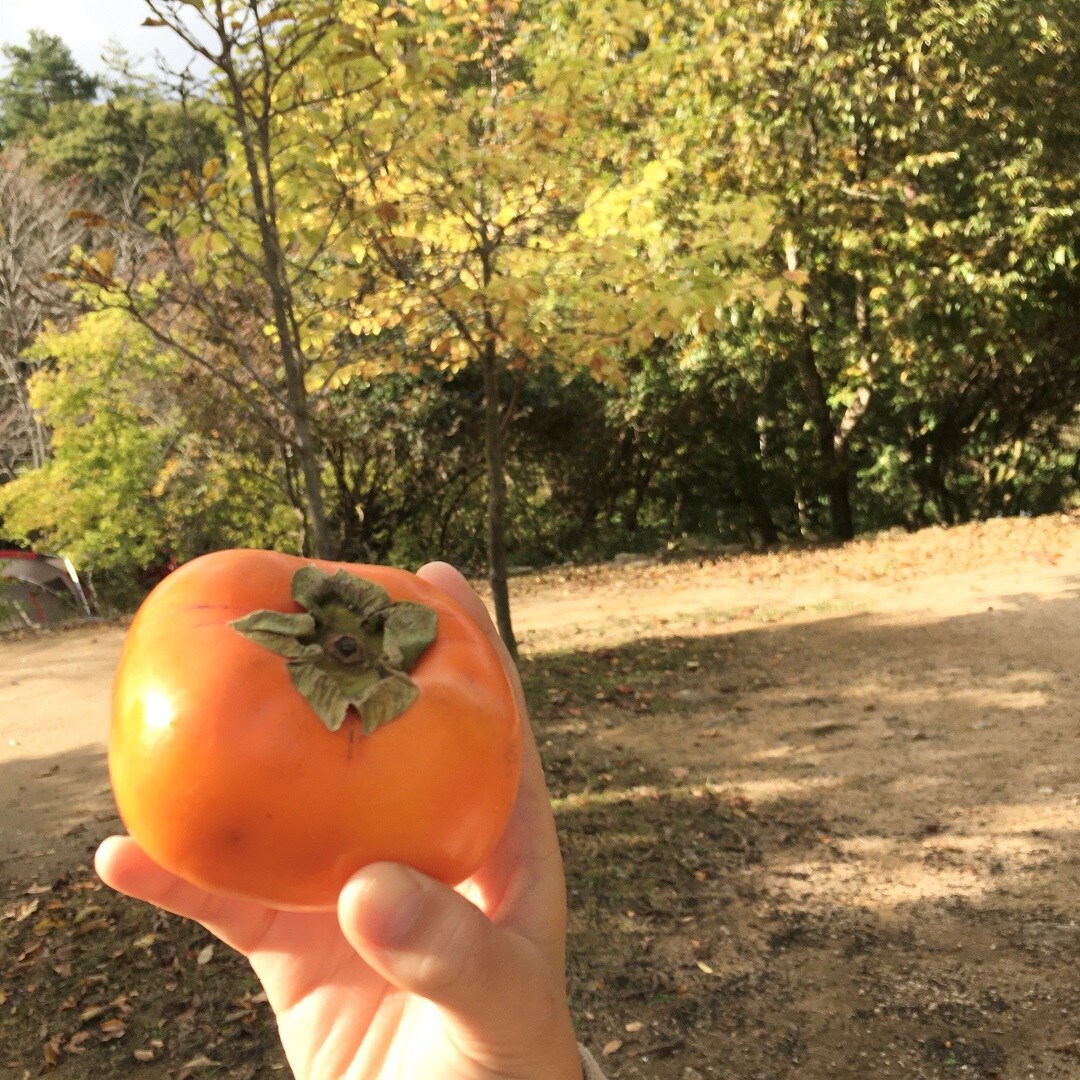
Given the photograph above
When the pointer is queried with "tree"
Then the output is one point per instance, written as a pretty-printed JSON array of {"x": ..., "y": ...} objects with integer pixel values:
[
  {"x": 42, "y": 74},
  {"x": 401, "y": 189},
  {"x": 234, "y": 243},
  {"x": 113, "y": 132},
  {"x": 135, "y": 136},
  {"x": 917, "y": 208},
  {"x": 40, "y": 224},
  {"x": 497, "y": 242},
  {"x": 133, "y": 480}
]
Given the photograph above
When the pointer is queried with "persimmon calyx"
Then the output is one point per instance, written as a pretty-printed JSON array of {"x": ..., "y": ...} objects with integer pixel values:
[{"x": 350, "y": 646}]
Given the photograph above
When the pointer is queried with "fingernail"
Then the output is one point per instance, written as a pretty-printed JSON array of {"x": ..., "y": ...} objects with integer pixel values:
[{"x": 387, "y": 903}]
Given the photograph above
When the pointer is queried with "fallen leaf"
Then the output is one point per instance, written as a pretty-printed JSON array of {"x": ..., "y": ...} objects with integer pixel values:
[
  {"x": 634, "y": 1027},
  {"x": 28, "y": 952},
  {"x": 206, "y": 954},
  {"x": 112, "y": 1029},
  {"x": 91, "y": 926},
  {"x": 194, "y": 1065},
  {"x": 705, "y": 967},
  {"x": 27, "y": 910},
  {"x": 86, "y": 912},
  {"x": 51, "y": 1050},
  {"x": 612, "y": 1047},
  {"x": 75, "y": 1043}
]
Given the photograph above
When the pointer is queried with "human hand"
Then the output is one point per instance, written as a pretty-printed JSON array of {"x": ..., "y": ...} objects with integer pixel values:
[{"x": 409, "y": 978}]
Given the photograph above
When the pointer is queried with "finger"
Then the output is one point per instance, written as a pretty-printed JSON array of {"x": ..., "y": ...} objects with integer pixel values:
[
  {"x": 450, "y": 580},
  {"x": 124, "y": 866},
  {"x": 427, "y": 939}
]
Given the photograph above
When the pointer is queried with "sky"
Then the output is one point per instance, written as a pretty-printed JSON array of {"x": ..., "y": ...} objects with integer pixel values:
[{"x": 86, "y": 26}]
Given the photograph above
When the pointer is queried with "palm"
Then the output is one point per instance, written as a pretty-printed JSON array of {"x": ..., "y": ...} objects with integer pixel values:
[{"x": 338, "y": 1017}]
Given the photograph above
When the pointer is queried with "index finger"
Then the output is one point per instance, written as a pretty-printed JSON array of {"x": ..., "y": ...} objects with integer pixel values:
[{"x": 123, "y": 865}]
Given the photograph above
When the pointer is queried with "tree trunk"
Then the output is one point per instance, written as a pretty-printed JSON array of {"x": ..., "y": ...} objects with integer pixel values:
[
  {"x": 750, "y": 470},
  {"x": 761, "y": 519},
  {"x": 258, "y": 152},
  {"x": 307, "y": 452},
  {"x": 834, "y": 459},
  {"x": 496, "y": 516},
  {"x": 839, "y": 494}
]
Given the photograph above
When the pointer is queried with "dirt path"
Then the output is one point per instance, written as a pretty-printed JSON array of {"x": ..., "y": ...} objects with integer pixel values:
[
  {"x": 918, "y": 698},
  {"x": 894, "y": 723},
  {"x": 54, "y": 715}
]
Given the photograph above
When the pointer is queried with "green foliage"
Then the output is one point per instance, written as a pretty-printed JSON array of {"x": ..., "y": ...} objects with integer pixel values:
[
  {"x": 130, "y": 485},
  {"x": 133, "y": 137},
  {"x": 926, "y": 214},
  {"x": 41, "y": 75},
  {"x": 111, "y": 133}
]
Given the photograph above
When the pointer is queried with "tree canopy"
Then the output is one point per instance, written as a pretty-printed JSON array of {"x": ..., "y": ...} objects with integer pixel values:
[
  {"x": 42, "y": 75},
  {"x": 529, "y": 280}
]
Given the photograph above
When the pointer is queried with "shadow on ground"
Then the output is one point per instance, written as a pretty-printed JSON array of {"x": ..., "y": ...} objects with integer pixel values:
[
  {"x": 93, "y": 983},
  {"x": 836, "y": 849},
  {"x": 52, "y": 812}
]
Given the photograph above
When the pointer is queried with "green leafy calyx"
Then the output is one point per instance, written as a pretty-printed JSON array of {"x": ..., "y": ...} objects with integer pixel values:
[{"x": 350, "y": 646}]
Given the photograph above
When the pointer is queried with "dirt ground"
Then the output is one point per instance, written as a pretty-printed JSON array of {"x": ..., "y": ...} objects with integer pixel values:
[{"x": 819, "y": 809}]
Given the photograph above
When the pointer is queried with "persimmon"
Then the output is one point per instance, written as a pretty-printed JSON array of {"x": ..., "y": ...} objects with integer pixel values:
[{"x": 280, "y": 722}]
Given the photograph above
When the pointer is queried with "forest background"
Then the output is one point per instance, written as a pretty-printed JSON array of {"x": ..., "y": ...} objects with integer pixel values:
[{"x": 524, "y": 281}]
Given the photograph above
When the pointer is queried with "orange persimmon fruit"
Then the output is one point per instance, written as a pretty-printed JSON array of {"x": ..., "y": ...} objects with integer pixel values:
[{"x": 280, "y": 722}]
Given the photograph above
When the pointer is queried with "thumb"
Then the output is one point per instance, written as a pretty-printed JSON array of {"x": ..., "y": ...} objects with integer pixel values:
[{"x": 428, "y": 940}]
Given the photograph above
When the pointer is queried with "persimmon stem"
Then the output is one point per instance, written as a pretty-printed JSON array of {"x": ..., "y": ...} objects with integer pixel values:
[{"x": 351, "y": 646}]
